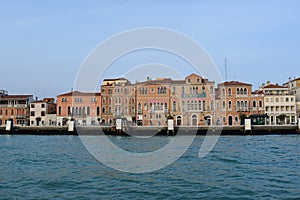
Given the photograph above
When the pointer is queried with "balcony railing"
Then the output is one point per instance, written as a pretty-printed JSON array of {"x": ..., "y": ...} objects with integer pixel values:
[{"x": 203, "y": 95}]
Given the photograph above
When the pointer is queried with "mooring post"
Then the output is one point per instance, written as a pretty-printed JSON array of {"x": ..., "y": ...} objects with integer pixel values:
[{"x": 71, "y": 126}]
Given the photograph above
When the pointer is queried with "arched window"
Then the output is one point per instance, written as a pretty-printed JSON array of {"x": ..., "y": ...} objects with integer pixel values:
[
  {"x": 188, "y": 105},
  {"x": 192, "y": 105},
  {"x": 98, "y": 110},
  {"x": 174, "y": 106},
  {"x": 103, "y": 110},
  {"x": 88, "y": 111},
  {"x": 166, "y": 107},
  {"x": 223, "y": 92},
  {"x": 229, "y": 105},
  {"x": 238, "y": 105},
  {"x": 245, "y": 91},
  {"x": 254, "y": 104},
  {"x": 145, "y": 106},
  {"x": 260, "y": 103},
  {"x": 199, "y": 105},
  {"x": 183, "y": 106},
  {"x": 139, "y": 108},
  {"x": 223, "y": 105},
  {"x": 229, "y": 91},
  {"x": 211, "y": 90},
  {"x": 237, "y": 91}
]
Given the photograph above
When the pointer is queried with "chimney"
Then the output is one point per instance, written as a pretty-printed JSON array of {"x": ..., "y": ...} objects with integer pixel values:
[
  {"x": 148, "y": 78},
  {"x": 268, "y": 82},
  {"x": 290, "y": 79},
  {"x": 36, "y": 98}
]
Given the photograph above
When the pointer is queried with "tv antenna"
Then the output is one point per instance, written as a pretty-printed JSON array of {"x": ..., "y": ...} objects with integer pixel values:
[{"x": 225, "y": 69}]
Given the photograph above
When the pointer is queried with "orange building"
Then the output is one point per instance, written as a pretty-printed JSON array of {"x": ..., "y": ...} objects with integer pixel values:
[
  {"x": 118, "y": 100},
  {"x": 82, "y": 107},
  {"x": 14, "y": 108},
  {"x": 237, "y": 101}
]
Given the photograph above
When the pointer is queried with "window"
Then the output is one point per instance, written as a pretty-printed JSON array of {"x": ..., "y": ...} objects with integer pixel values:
[
  {"x": 189, "y": 80},
  {"x": 254, "y": 104},
  {"x": 245, "y": 91},
  {"x": 43, "y": 113},
  {"x": 59, "y": 110},
  {"x": 287, "y": 99},
  {"x": 229, "y": 105},
  {"x": 260, "y": 103},
  {"x": 145, "y": 106},
  {"x": 88, "y": 111},
  {"x": 69, "y": 110},
  {"x": 198, "y": 80},
  {"x": 32, "y": 105},
  {"x": 32, "y": 113},
  {"x": 223, "y": 104},
  {"x": 174, "y": 106},
  {"x": 182, "y": 90},
  {"x": 229, "y": 92},
  {"x": 43, "y": 105},
  {"x": 139, "y": 108},
  {"x": 64, "y": 99},
  {"x": 12, "y": 112},
  {"x": 292, "y": 99},
  {"x": 223, "y": 92},
  {"x": 237, "y": 91},
  {"x": 98, "y": 110},
  {"x": 103, "y": 110}
]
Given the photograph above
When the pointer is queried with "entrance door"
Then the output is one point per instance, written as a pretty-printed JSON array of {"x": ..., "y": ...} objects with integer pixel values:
[
  {"x": 230, "y": 120},
  {"x": 178, "y": 121},
  {"x": 194, "y": 120}
]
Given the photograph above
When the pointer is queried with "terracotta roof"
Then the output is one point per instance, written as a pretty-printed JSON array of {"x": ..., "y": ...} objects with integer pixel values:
[
  {"x": 234, "y": 83},
  {"x": 78, "y": 93},
  {"x": 16, "y": 96},
  {"x": 296, "y": 79},
  {"x": 115, "y": 79},
  {"x": 274, "y": 86}
]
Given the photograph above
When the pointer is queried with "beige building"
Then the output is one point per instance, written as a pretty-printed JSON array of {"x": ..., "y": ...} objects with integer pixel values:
[
  {"x": 43, "y": 112},
  {"x": 294, "y": 88},
  {"x": 279, "y": 102}
]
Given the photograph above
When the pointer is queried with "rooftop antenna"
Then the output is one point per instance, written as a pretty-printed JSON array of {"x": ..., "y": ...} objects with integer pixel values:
[{"x": 225, "y": 69}]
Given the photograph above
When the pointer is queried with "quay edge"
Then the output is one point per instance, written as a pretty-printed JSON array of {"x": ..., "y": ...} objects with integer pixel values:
[{"x": 152, "y": 130}]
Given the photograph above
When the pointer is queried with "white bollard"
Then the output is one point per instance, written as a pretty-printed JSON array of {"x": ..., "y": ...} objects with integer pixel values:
[
  {"x": 8, "y": 125},
  {"x": 71, "y": 126},
  {"x": 247, "y": 124},
  {"x": 170, "y": 125},
  {"x": 299, "y": 123}
]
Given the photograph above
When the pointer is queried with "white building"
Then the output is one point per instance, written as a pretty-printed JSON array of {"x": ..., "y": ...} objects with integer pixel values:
[
  {"x": 294, "y": 87},
  {"x": 43, "y": 112},
  {"x": 278, "y": 101}
]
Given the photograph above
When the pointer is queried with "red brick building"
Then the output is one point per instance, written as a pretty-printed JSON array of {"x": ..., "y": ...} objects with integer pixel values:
[
  {"x": 14, "y": 108},
  {"x": 82, "y": 107}
]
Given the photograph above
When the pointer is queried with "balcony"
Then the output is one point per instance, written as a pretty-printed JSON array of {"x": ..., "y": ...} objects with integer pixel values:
[{"x": 203, "y": 95}]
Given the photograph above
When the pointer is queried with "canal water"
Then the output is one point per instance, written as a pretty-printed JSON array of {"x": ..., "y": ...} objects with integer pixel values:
[{"x": 239, "y": 167}]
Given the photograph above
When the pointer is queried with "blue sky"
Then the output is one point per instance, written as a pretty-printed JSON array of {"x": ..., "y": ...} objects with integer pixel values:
[{"x": 44, "y": 43}]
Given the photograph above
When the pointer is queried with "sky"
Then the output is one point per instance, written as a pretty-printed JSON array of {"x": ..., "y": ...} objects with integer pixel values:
[{"x": 44, "y": 43}]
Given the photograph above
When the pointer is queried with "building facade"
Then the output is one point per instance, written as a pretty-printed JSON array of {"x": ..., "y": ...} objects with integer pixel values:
[
  {"x": 294, "y": 88},
  {"x": 236, "y": 102},
  {"x": 118, "y": 99},
  {"x": 82, "y": 107},
  {"x": 279, "y": 103},
  {"x": 14, "y": 108},
  {"x": 43, "y": 112}
]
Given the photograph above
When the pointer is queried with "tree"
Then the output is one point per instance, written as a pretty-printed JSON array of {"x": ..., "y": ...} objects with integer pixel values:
[{"x": 242, "y": 118}]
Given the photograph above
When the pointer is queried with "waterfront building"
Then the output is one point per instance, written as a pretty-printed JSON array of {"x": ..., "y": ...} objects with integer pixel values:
[
  {"x": 118, "y": 99},
  {"x": 43, "y": 112},
  {"x": 153, "y": 101},
  {"x": 14, "y": 108},
  {"x": 235, "y": 101},
  {"x": 294, "y": 88},
  {"x": 81, "y": 107},
  {"x": 197, "y": 101},
  {"x": 280, "y": 104}
]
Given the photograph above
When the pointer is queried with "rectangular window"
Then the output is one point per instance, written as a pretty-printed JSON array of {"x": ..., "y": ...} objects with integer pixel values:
[
  {"x": 32, "y": 105},
  {"x": 43, "y": 105}
]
